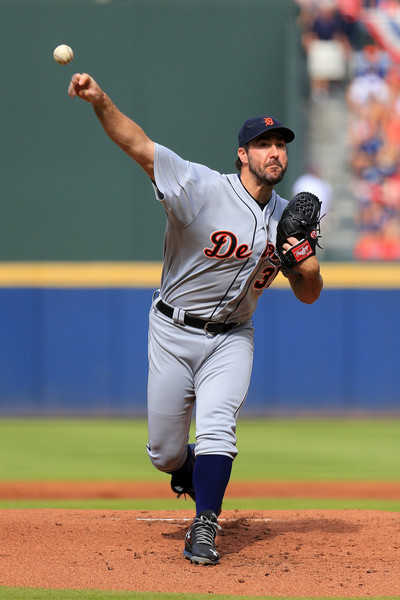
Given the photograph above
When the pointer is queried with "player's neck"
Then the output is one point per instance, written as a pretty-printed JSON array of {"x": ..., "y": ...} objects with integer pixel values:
[{"x": 261, "y": 192}]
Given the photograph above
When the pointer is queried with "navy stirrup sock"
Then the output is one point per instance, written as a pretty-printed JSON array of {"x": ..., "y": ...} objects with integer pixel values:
[{"x": 210, "y": 478}]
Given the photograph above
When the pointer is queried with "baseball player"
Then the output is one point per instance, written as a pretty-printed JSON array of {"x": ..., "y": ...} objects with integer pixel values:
[{"x": 218, "y": 259}]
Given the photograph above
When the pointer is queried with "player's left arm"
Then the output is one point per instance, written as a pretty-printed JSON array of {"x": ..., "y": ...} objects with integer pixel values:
[{"x": 305, "y": 278}]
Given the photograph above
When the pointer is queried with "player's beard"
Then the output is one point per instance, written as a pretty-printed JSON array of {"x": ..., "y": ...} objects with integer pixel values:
[{"x": 267, "y": 177}]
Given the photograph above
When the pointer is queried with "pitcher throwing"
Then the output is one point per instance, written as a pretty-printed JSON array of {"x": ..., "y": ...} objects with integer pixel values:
[{"x": 219, "y": 257}]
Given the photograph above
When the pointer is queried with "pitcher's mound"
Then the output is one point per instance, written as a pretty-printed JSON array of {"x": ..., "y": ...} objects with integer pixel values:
[{"x": 263, "y": 553}]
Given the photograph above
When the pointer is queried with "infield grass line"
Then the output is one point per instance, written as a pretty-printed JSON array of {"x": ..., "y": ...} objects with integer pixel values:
[{"x": 9, "y": 593}]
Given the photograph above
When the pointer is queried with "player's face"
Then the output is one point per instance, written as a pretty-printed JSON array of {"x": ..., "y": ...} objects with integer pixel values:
[{"x": 267, "y": 159}]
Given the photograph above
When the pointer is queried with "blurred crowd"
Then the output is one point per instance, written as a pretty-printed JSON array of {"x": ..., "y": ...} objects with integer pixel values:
[
  {"x": 370, "y": 77},
  {"x": 373, "y": 100}
]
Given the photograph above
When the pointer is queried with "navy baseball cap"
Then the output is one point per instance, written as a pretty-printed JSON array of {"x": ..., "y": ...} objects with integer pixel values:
[{"x": 254, "y": 127}]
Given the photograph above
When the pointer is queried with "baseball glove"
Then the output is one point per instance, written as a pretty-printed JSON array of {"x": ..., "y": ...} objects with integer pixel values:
[{"x": 300, "y": 219}]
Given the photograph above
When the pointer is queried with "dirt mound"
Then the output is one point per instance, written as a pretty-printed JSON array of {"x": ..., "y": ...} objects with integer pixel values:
[{"x": 275, "y": 553}]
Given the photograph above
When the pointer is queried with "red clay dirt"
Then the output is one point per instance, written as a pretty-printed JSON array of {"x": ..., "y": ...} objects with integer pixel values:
[
  {"x": 14, "y": 490},
  {"x": 263, "y": 553}
]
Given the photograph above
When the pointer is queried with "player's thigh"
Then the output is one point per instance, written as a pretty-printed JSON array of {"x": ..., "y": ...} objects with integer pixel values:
[
  {"x": 170, "y": 395},
  {"x": 221, "y": 389}
]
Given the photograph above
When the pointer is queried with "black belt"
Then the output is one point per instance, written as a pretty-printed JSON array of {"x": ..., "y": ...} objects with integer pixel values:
[{"x": 210, "y": 327}]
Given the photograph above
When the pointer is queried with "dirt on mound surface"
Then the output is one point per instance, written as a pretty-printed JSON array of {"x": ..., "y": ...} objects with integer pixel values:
[{"x": 274, "y": 553}]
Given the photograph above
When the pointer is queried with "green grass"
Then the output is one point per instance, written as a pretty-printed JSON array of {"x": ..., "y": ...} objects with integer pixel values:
[
  {"x": 269, "y": 449},
  {"x": 320, "y": 449},
  {"x": 229, "y": 504},
  {"x": 8, "y": 593},
  {"x": 74, "y": 449}
]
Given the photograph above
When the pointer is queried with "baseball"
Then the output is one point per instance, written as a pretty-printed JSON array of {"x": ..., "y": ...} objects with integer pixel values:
[{"x": 63, "y": 54}]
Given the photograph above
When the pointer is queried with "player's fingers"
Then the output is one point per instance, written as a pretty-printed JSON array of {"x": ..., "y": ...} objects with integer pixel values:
[
  {"x": 84, "y": 86},
  {"x": 291, "y": 241},
  {"x": 71, "y": 89},
  {"x": 82, "y": 80},
  {"x": 74, "y": 84},
  {"x": 85, "y": 80},
  {"x": 75, "y": 77}
]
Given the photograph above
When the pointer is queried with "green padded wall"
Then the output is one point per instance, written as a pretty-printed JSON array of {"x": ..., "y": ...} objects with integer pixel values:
[{"x": 189, "y": 72}]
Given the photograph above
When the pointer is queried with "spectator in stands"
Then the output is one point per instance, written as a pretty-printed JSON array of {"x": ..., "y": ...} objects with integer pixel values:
[
  {"x": 350, "y": 14},
  {"x": 368, "y": 88},
  {"x": 311, "y": 181},
  {"x": 327, "y": 48},
  {"x": 371, "y": 58}
]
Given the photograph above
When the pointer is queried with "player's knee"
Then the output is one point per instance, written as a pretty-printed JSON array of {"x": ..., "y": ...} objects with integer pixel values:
[{"x": 164, "y": 459}]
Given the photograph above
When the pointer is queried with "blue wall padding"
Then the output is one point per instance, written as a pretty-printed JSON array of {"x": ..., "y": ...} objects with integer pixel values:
[{"x": 84, "y": 352}]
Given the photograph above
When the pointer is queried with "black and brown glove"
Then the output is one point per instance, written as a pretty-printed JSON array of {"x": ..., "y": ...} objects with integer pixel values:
[{"x": 300, "y": 219}]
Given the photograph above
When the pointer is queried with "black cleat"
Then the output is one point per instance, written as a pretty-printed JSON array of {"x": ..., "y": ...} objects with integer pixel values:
[
  {"x": 200, "y": 539},
  {"x": 179, "y": 486}
]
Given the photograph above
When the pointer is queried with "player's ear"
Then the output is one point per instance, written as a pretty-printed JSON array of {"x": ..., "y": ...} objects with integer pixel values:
[{"x": 242, "y": 155}]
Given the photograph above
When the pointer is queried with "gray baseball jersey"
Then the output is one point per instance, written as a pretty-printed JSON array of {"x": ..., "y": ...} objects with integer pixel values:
[
  {"x": 218, "y": 259},
  {"x": 218, "y": 251}
]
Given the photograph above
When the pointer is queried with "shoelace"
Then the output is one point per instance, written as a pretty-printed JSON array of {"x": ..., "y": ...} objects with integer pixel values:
[
  {"x": 206, "y": 530},
  {"x": 180, "y": 491}
]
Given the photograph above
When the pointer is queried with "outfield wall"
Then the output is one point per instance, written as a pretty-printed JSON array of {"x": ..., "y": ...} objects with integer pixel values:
[
  {"x": 74, "y": 341},
  {"x": 188, "y": 72}
]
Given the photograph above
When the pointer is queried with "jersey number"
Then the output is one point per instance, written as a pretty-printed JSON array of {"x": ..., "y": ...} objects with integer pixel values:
[{"x": 265, "y": 281}]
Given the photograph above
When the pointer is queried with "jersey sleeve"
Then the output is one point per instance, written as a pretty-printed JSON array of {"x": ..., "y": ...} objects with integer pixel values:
[{"x": 182, "y": 186}]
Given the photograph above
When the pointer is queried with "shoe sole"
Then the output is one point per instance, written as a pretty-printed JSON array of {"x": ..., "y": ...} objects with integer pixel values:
[{"x": 199, "y": 560}]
